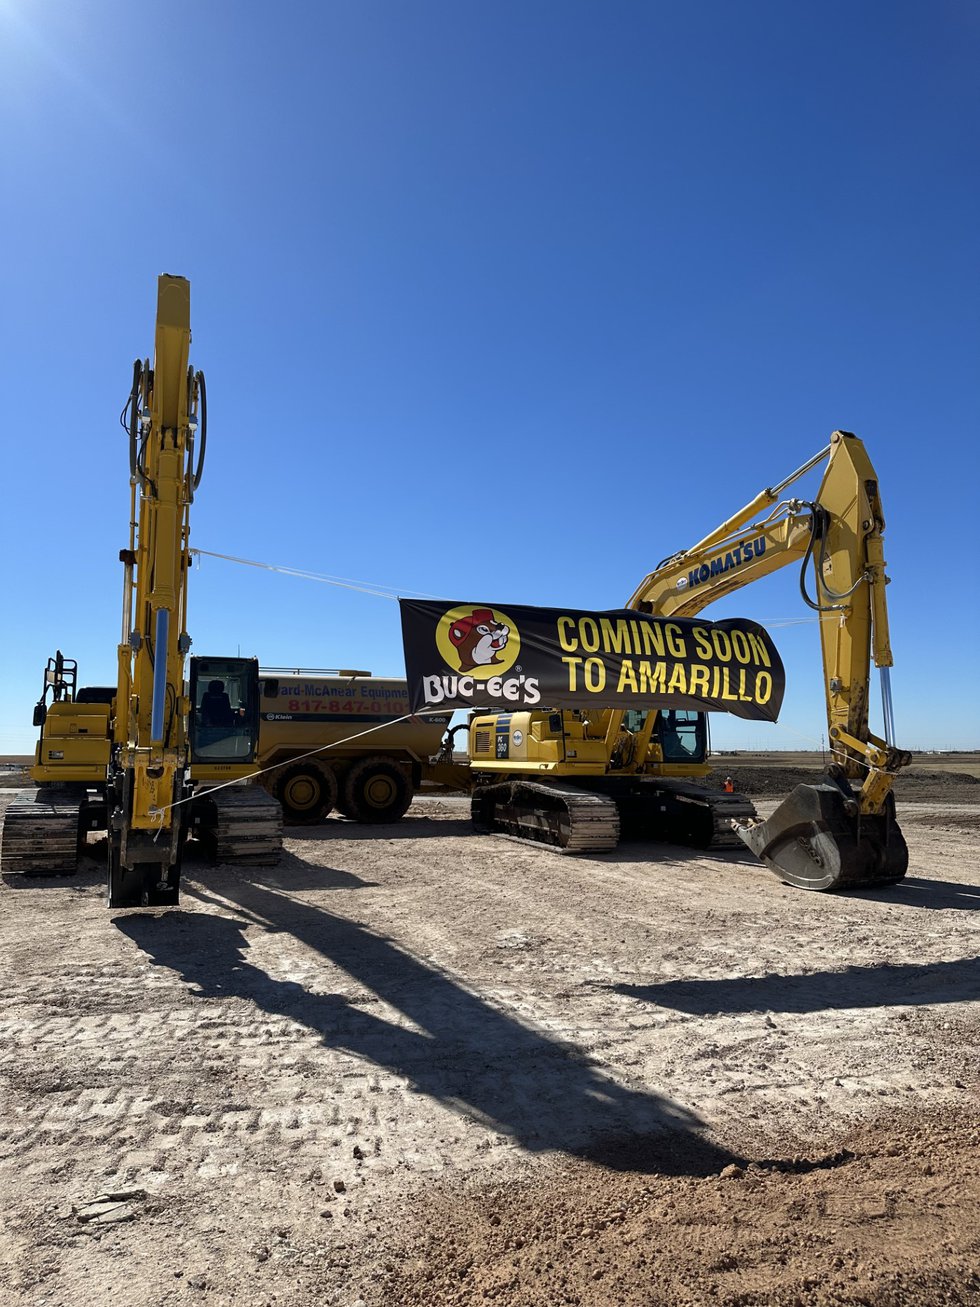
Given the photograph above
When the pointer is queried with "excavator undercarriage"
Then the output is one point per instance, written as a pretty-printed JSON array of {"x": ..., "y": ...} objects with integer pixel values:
[
  {"x": 42, "y": 834},
  {"x": 242, "y": 824},
  {"x": 45, "y": 834},
  {"x": 594, "y": 816},
  {"x": 564, "y": 817}
]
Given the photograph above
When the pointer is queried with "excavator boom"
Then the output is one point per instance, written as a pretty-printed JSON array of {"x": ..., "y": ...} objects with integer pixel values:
[{"x": 830, "y": 835}]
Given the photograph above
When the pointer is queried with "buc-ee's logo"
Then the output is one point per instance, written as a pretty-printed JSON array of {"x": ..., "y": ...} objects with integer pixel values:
[
  {"x": 479, "y": 642},
  {"x": 480, "y": 645}
]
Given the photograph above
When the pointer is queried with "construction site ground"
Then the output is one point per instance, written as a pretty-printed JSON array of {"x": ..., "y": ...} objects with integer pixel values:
[{"x": 413, "y": 1065}]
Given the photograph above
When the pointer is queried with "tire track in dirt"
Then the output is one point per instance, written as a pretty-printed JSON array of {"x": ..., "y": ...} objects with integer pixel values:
[{"x": 388, "y": 1013}]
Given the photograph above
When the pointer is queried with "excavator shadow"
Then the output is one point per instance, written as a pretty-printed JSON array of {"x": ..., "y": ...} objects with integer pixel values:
[
  {"x": 289, "y": 873},
  {"x": 444, "y": 1040},
  {"x": 920, "y": 892},
  {"x": 655, "y": 851},
  {"x": 88, "y": 876},
  {"x": 910, "y": 892},
  {"x": 408, "y": 828},
  {"x": 854, "y": 987}
]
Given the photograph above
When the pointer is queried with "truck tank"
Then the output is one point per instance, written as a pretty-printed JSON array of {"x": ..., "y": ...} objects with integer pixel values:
[{"x": 369, "y": 777}]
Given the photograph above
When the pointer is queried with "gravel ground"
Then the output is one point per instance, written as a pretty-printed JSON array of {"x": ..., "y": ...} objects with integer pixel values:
[{"x": 416, "y": 1065}]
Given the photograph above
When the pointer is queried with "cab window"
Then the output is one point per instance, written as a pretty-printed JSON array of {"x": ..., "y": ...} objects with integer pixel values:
[
  {"x": 683, "y": 735},
  {"x": 224, "y": 722}
]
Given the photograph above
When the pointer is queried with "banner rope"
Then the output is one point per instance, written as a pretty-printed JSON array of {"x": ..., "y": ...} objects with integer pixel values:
[
  {"x": 376, "y": 588},
  {"x": 382, "y": 591},
  {"x": 795, "y": 621}
]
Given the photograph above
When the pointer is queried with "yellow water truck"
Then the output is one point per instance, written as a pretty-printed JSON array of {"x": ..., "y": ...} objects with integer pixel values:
[{"x": 342, "y": 740}]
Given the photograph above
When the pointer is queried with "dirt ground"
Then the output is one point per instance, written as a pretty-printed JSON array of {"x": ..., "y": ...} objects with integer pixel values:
[
  {"x": 419, "y": 1066},
  {"x": 919, "y": 784}
]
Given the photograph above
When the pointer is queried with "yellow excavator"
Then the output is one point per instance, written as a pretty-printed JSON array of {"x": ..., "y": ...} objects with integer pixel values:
[
  {"x": 144, "y": 759},
  {"x": 574, "y": 781}
]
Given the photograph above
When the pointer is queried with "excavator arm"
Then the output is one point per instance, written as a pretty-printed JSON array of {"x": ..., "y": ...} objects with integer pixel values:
[
  {"x": 147, "y": 776},
  {"x": 854, "y": 838},
  {"x": 163, "y": 419}
]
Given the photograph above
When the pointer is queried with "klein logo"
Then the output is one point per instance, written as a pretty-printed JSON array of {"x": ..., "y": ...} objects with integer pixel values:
[{"x": 479, "y": 642}]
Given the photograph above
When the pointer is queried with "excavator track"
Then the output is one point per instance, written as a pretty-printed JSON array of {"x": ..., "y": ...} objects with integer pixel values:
[
  {"x": 682, "y": 812},
  {"x": 574, "y": 820},
  {"x": 565, "y": 818},
  {"x": 40, "y": 835},
  {"x": 732, "y": 808},
  {"x": 240, "y": 824}
]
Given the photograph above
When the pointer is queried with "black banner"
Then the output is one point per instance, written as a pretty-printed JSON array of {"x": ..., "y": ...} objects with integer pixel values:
[{"x": 482, "y": 656}]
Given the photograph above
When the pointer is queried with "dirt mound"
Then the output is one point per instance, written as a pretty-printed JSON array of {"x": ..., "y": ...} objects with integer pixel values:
[
  {"x": 875, "y": 1222},
  {"x": 916, "y": 786}
]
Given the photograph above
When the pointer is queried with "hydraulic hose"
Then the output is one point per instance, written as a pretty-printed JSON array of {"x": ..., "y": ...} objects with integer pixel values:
[
  {"x": 202, "y": 390},
  {"x": 137, "y": 470},
  {"x": 132, "y": 426},
  {"x": 818, "y": 528}
]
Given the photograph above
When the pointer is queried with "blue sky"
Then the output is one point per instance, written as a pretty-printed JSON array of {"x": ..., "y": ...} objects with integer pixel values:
[{"x": 501, "y": 302}]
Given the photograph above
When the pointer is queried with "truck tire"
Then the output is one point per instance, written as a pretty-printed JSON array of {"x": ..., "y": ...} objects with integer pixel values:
[
  {"x": 376, "y": 790},
  {"x": 306, "y": 793}
]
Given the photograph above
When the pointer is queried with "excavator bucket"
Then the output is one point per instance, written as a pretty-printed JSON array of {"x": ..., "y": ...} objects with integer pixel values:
[{"x": 817, "y": 839}]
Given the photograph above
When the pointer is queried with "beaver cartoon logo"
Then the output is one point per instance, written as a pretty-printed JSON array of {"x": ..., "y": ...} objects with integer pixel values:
[
  {"x": 479, "y": 639},
  {"x": 481, "y": 642}
]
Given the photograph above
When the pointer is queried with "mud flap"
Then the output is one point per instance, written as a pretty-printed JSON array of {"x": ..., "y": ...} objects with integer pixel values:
[{"x": 817, "y": 839}]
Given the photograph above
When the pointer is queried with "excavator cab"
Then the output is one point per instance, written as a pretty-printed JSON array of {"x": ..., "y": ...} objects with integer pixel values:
[
  {"x": 224, "y": 718},
  {"x": 682, "y": 735}
]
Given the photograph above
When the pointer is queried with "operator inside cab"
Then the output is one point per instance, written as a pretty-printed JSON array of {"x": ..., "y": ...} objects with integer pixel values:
[
  {"x": 224, "y": 718},
  {"x": 681, "y": 733},
  {"x": 216, "y": 709}
]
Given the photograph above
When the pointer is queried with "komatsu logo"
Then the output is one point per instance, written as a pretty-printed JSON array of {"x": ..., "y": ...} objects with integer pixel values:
[{"x": 737, "y": 557}]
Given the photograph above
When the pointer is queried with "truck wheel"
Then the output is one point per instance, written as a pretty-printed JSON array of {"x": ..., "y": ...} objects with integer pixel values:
[
  {"x": 376, "y": 790},
  {"x": 306, "y": 793}
]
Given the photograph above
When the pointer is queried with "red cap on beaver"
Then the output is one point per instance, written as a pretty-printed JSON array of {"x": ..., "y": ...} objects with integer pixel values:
[{"x": 461, "y": 628}]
